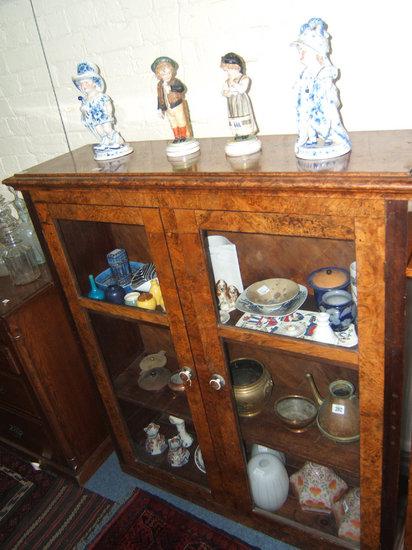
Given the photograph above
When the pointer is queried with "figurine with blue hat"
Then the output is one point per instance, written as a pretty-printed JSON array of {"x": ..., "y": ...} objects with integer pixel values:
[
  {"x": 97, "y": 113},
  {"x": 171, "y": 103},
  {"x": 321, "y": 134}
]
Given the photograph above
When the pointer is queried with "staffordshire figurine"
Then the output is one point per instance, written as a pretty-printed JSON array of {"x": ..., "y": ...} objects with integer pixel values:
[
  {"x": 240, "y": 111},
  {"x": 321, "y": 133},
  {"x": 171, "y": 103},
  {"x": 97, "y": 113}
]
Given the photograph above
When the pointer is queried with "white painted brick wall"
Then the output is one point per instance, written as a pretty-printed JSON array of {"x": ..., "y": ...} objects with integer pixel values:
[{"x": 124, "y": 36}]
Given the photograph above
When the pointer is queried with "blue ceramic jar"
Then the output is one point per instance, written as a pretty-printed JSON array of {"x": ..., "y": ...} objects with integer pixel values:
[{"x": 115, "y": 294}]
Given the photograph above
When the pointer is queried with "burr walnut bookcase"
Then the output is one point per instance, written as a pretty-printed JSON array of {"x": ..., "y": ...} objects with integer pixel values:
[{"x": 286, "y": 218}]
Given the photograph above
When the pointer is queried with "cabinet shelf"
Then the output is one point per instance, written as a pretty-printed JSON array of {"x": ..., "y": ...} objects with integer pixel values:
[
  {"x": 127, "y": 389},
  {"x": 265, "y": 429},
  {"x": 348, "y": 357},
  {"x": 125, "y": 312},
  {"x": 190, "y": 472}
]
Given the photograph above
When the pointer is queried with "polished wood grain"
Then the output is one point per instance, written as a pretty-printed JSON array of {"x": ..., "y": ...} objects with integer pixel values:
[
  {"x": 49, "y": 395},
  {"x": 286, "y": 217}
]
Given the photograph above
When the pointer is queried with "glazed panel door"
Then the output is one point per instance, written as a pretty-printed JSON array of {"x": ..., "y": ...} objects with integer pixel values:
[
  {"x": 137, "y": 354},
  {"x": 252, "y": 361}
]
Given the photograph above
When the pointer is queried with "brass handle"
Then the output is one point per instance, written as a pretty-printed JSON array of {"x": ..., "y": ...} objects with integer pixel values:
[
  {"x": 217, "y": 382},
  {"x": 186, "y": 376}
]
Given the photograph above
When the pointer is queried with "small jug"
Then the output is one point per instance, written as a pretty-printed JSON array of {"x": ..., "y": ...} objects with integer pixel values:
[
  {"x": 155, "y": 443},
  {"x": 338, "y": 415}
]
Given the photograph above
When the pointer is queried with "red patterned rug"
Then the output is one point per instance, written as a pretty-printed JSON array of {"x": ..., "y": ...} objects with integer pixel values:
[
  {"x": 41, "y": 510},
  {"x": 148, "y": 523}
]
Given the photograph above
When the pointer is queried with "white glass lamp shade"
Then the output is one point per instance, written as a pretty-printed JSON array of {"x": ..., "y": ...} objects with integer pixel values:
[{"x": 269, "y": 481}]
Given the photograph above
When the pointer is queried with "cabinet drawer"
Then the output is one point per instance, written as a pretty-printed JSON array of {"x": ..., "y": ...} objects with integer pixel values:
[
  {"x": 25, "y": 431},
  {"x": 14, "y": 393},
  {"x": 8, "y": 362}
]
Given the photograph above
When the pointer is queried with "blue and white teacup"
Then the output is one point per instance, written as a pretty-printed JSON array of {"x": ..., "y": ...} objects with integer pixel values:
[{"x": 341, "y": 308}]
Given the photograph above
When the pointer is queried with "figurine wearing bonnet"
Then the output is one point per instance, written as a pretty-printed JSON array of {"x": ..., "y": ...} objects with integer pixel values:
[
  {"x": 97, "y": 112},
  {"x": 320, "y": 128}
]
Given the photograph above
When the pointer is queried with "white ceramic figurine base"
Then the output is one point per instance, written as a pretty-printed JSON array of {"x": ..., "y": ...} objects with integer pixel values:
[
  {"x": 319, "y": 151},
  {"x": 240, "y": 148},
  {"x": 183, "y": 148},
  {"x": 109, "y": 153}
]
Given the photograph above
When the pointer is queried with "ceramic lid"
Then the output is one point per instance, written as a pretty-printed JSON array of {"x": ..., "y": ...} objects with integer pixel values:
[
  {"x": 153, "y": 361},
  {"x": 154, "y": 379},
  {"x": 329, "y": 277}
]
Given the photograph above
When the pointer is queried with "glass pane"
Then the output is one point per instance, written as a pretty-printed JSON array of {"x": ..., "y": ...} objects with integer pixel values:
[
  {"x": 296, "y": 404},
  {"x": 142, "y": 365},
  {"x": 139, "y": 357}
]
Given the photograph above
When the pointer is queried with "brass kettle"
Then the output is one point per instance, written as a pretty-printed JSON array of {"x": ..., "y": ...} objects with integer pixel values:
[{"x": 338, "y": 415}]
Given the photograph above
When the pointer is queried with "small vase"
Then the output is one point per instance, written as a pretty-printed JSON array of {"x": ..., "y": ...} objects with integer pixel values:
[
  {"x": 177, "y": 455},
  {"x": 185, "y": 437},
  {"x": 94, "y": 293},
  {"x": 323, "y": 332},
  {"x": 269, "y": 481},
  {"x": 317, "y": 487},
  {"x": 156, "y": 292},
  {"x": 155, "y": 443},
  {"x": 115, "y": 294}
]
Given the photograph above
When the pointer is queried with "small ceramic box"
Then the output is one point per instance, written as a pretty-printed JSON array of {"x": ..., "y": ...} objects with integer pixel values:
[{"x": 317, "y": 487}]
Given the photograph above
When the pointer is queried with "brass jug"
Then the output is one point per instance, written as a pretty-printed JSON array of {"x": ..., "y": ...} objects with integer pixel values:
[{"x": 338, "y": 415}]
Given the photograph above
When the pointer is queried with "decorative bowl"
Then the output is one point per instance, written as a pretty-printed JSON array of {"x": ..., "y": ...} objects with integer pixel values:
[
  {"x": 296, "y": 412},
  {"x": 272, "y": 292},
  {"x": 252, "y": 385}
]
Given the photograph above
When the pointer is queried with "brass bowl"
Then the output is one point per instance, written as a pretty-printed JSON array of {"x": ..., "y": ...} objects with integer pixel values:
[
  {"x": 252, "y": 385},
  {"x": 296, "y": 412}
]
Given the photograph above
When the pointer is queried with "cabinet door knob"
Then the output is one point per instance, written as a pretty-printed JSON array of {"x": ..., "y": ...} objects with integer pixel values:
[
  {"x": 217, "y": 382},
  {"x": 186, "y": 376}
]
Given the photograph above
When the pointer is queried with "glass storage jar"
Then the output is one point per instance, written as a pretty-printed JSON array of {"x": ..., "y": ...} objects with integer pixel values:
[{"x": 19, "y": 257}]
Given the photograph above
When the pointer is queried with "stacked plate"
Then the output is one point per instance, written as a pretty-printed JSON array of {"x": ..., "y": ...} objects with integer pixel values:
[{"x": 272, "y": 297}]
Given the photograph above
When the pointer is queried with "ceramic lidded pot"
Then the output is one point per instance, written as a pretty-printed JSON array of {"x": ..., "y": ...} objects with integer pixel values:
[
  {"x": 317, "y": 487},
  {"x": 325, "y": 279},
  {"x": 269, "y": 481},
  {"x": 347, "y": 515},
  {"x": 252, "y": 385}
]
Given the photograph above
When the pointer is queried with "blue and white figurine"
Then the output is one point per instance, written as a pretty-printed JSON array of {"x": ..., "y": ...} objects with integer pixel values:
[
  {"x": 321, "y": 134},
  {"x": 97, "y": 113}
]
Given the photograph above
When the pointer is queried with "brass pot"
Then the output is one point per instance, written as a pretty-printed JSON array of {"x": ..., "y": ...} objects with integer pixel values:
[{"x": 252, "y": 385}]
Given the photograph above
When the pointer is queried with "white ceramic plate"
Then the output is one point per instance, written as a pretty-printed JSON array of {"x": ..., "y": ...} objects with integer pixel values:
[
  {"x": 199, "y": 460},
  {"x": 272, "y": 292},
  {"x": 245, "y": 305}
]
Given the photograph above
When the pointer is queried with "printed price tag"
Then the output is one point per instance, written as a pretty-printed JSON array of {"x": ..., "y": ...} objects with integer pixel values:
[
  {"x": 338, "y": 409},
  {"x": 263, "y": 290}
]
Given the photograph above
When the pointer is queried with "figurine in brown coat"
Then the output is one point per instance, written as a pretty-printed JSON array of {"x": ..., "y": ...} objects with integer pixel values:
[{"x": 170, "y": 96}]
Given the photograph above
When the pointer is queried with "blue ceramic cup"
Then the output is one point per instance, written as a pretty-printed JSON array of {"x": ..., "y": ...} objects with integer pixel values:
[{"x": 341, "y": 308}]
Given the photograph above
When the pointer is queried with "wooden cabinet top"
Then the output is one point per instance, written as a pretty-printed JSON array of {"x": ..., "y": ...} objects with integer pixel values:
[
  {"x": 12, "y": 297},
  {"x": 380, "y": 163}
]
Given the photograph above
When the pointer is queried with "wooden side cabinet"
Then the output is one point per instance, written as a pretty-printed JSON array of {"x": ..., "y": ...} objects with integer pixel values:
[
  {"x": 49, "y": 405},
  {"x": 286, "y": 218}
]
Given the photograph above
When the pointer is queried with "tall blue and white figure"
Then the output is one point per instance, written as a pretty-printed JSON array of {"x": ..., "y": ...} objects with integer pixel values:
[
  {"x": 321, "y": 133},
  {"x": 97, "y": 113}
]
